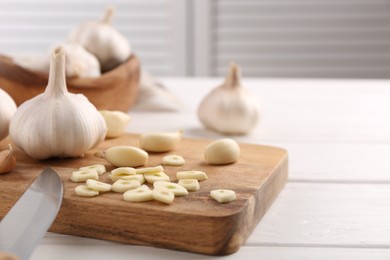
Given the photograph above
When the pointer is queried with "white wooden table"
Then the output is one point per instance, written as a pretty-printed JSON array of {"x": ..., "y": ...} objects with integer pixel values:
[{"x": 336, "y": 204}]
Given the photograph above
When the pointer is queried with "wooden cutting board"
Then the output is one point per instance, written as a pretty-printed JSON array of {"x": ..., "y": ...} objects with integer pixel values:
[{"x": 194, "y": 223}]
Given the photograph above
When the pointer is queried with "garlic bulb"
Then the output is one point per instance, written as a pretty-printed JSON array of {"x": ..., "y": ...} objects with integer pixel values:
[
  {"x": 102, "y": 40},
  {"x": 7, "y": 110},
  {"x": 229, "y": 109},
  {"x": 57, "y": 123},
  {"x": 79, "y": 62}
]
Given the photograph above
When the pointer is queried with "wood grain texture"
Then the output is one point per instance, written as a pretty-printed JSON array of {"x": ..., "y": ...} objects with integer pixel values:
[
  {"x": 113, "y": 90},
  {"x": 194, "y": 223}
]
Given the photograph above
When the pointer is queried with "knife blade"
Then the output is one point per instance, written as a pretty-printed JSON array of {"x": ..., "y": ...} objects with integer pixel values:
[{"x": 32, "y": 215}]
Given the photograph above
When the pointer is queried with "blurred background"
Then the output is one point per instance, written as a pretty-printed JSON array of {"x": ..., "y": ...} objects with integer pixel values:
[{"x": 268, "y": 38}]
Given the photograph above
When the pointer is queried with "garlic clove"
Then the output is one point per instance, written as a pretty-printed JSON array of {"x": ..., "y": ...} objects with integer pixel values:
[
  {"x": 160, "y": 142},
  {"x": 7, "y": 160},
  {"x": 229, "y": 108},
  {"x": 103, "y": 40},
  {"x": 57, "y": 123},
  {"x": 116, "y": 121},
  {"x": 7, "y": 110}
]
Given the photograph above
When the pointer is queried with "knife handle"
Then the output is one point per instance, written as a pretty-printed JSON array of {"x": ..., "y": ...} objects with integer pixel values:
[{"x": 8, "y": 256}]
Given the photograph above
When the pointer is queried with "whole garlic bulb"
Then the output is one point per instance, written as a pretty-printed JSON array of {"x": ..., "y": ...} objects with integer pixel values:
[
  {"x": 79, "y": 62},
  {"x": 57, "y": 123},
  {"x": 103, "y": 40},
  {"x": 7, "y": 110},
  {"x": 229, "y": 109}
]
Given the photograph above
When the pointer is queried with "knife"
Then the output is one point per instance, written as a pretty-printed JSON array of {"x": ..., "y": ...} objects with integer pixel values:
[{"x": 32, "y": 215}]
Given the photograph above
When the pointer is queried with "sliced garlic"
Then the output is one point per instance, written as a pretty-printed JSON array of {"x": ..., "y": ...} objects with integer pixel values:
[
  {"x": 163, "y": 195},
  {"x": 222, "y": 195},
  {"x": 140, "y": 194},
  {"x": 123, "y": 171},
  {"x": 81, "y": 176},
  {"x": 149, "y": 170},
  {"x": 177, "y": 189},
  {"x": 158, "y": 176},
  {"x": 173, "y": 160},
  {"x": 138, "y": 177},
  {"x": 85, "y": 191},
  {"x": 98, "y": 185},
  {"x": 222, "y": 151},
  {"x": 116, "y": 121},
  {"x": 160, "y": 142},
  {"x": 124, "y": 156},
  {"x": 122, "y": 186},
  {"x": 189, "y": 184},
  {"x": 198, "y": 175},
  {"x": 100, "y": 168}
]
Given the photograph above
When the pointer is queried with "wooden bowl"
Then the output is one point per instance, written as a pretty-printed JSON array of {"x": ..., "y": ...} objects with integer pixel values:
[{"x": 113, "y": 90}]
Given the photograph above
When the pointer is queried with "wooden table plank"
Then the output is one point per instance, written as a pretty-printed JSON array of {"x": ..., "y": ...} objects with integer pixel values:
[{"x": 317, "y": 214}]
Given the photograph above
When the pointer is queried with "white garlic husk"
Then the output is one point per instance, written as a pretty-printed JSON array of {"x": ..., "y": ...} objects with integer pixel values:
[
  {"x": 57, "y": 123},
  {"x": 229, "y": 109},
  {"x": 79, "y": 62},
  {"x": 103, "y": 40},
  {"x": 7, "y": 110}
]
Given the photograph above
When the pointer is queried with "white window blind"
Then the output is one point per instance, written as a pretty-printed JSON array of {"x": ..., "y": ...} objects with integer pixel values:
[
  {"x": 268, "y": 38},
  {"x": 35, "y": 25},
  {"x": 301, "y": 38}
]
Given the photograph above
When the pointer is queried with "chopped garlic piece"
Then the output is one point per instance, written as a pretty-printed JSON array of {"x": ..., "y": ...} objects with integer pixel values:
[
  {"x": 199, "y": 175},
  {"x": 173, "y": 160},
  {"x": 138, "y": 177},
  {"x": 85, "y": 191},
  {"x": 223, "y": 196},
  {"x": 123, "y": 171},
  {"x": 98, "y": 185},
  {"x": 163, "y": 195},
  {"x": 122, "y": 186},
  {"x": 159, "y": 176},
  {"x": 83, "y": 175},
  {"x": 140, "y": 194},
  {"x": 189, "y": 184},
  {"x": 177, "y": 189},
  {"x": 149, "y": 170},
  {"x": 100, "y": 168}
]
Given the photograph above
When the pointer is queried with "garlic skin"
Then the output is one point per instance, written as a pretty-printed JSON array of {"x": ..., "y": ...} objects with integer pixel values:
[
  {"x": 7, "y": 110},
  {"x": 103, "y": 40},
  {"x": 229, "y": 109},
  {"x": 57, "y": 123}
]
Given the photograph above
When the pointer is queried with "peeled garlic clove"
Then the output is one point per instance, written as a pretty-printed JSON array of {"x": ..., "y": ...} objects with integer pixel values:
[
  {"x": 57, "y": 123},
  {"x": 124, "y": 156},
  {"x": 160, "y": 142},
  {"x": 229, "y": 109},
  {"x": 116, "y": 121},
  {"x": 7, "y": 110},
  {"x": 7, "y": 160},
  {"x": 222, "y": 151},
  {"x": 103, "y": 40}
]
